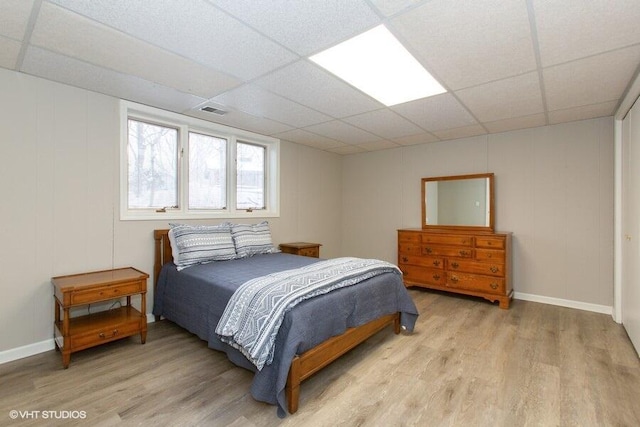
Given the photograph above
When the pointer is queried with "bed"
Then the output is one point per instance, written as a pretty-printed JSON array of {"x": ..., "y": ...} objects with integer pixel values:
[{"x": 194, "y": 298}]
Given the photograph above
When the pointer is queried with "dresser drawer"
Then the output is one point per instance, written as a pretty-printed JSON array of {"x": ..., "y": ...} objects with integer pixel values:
[
  {"x": 422, "y": 261},
  {"x": 476, "y": 282},
  {"x": 417, "y": 274},
  {"x": 466, "y": 266},
  {"x": 490, "y": 255},
  {"x": 452, "y": 251},
  {"x": 106, "y": 292},
  {"x": 408, "y": 237},
  {"x": 409, "y": 248},
  {"x": 448, "y": 239},
  {"x": 489, "y": 242}
]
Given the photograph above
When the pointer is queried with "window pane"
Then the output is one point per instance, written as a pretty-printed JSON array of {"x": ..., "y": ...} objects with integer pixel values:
[
  {"x": 250, "y": 176},
  {"x": 207, "y": 172},
  {"x": 152, "y": 152}
]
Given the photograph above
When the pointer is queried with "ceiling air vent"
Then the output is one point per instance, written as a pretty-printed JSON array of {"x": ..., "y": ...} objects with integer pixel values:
[{"x": 213, "y": 110}]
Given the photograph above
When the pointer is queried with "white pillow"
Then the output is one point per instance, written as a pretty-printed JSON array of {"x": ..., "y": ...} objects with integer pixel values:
[
  {"x": 200, "y": 244},
  {"x": 252, "y": 239}
]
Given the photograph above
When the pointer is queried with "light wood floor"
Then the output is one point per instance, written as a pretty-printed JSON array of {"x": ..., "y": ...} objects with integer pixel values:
[{"x": 467, "y": 364}]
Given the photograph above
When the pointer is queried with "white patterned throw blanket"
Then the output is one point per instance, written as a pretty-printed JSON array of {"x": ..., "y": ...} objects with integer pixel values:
[{"x": 254, "y": 313}]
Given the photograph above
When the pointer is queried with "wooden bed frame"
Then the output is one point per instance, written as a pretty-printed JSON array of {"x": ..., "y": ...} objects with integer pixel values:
[{"x": 311, "y": 361}]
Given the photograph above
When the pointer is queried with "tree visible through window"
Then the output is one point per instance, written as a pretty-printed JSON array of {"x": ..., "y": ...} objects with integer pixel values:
[
  {"x": 207, "y": 172},
  {"x": 250, "y": 169},
  {"x": 178, "y": 167},
  {"x": 152, "y": 165}
]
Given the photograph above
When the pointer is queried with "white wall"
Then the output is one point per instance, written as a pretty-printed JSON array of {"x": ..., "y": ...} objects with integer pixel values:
[
  {"x": 554, "y": 191},
  {"x": 59, "y": 210}
]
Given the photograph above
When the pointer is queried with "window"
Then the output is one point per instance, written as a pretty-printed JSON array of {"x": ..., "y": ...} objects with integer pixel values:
[
  {"x": 250, "y": 176},
  {"x": 178, "y": 167}
]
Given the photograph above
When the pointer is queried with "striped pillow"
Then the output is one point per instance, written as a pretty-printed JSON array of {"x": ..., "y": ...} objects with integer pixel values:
[
  {"x": 252, "y": 239},
  {"x": 200, "y": 244}
]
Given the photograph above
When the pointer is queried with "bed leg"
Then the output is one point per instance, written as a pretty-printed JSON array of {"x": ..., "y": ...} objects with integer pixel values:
[
  {"x": 396, "y": 324},
  {"x": 293, "y": 385}
]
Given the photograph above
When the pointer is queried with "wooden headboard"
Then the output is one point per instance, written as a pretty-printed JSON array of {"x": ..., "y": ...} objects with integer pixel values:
[{"x": 162, "y": 254}]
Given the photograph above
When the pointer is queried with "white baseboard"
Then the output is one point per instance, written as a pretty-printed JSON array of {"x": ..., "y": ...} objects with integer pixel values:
[
  {"x": 39, "y": 347},
  {"x": 26, "y": 351},
  {"x": 597, "y": 308}
]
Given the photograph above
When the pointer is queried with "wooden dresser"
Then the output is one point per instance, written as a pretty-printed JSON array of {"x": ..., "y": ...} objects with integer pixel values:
[{"x": 471, "y": 263}]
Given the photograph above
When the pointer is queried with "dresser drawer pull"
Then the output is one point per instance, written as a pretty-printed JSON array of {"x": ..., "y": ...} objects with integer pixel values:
[
  {"x": 113, "y": 334},
  {"x": 436, "y": 263},
  {"x": 455, "y": 265},
  {"x": 429, "y": 250},
  {"x": 464, "y": 253},
  {"x": 454, "y": 279},
  {"x": 494, "y": 286},
  {"x": 405, "y": 259},
  {"x": 494, "y": 270},
  {"x": 436, "y": 277}
]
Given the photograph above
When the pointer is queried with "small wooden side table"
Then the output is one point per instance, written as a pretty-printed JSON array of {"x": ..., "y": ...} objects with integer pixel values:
[
  {"x": 78, "y": 333},
  {"x": 301, "y": 248}
]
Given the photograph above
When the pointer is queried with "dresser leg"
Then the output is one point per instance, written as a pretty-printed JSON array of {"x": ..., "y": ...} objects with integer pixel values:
[
  {"x": 143, "y": 336},
  {"x": 504, "y": 303}
]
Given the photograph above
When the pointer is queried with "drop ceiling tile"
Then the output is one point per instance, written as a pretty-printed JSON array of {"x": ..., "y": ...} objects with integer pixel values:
[
  {"x": 14, "y": 18},
  {"x": 582, "y": 113},
  {"x": 572, "y": 29},
  {"x": 378, "y": 145},
  {"x": 305, "y": 27},
  {"x": 59, "y": 68},
  {"x": 464, "y": 132},
  {"x": 466, "y": 43},
  {"x": 342, "y": 132},
  {"x": 100, "y": 45},
  {"x": 9, "y": 51},
  {"x": 300, "y": 136},
  {"x": 347, "y": 149},
  {"x": 436, "y": 112},
  {"x": 196, "y": 30},
  {"x": 592, "y": 80},
  {"x": 308, "y": 85},
  {"x": 385, "y": 123},
  {"x": 416, "y": 139},
  {"x": 259, "y": 102},
  {"x": 516, "y": 123},
  {"x": 512, "y": 97},
  {"x": 392, "y": 7},
  {"x": 241, "y": 120}
]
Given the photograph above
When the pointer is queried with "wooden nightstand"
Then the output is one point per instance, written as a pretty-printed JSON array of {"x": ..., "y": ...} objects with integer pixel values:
[
  {"x": 301, "y": 248},
  {"x": 78, "y": 333}
]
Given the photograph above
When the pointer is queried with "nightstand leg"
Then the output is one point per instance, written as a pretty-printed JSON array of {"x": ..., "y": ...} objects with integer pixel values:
[
  {"x": 66, "y": 358},
  {"x": 143, "y": 313}
]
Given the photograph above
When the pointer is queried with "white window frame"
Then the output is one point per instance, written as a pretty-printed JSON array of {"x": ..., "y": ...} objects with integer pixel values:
[{"x": 186, "y": 124}]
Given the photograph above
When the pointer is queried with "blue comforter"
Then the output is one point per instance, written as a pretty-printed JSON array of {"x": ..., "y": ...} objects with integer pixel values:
[{"x": 195, "y": 298}]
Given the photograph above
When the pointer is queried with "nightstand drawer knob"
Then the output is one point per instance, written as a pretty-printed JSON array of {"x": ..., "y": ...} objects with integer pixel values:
[{"x": 113, "y": 334}]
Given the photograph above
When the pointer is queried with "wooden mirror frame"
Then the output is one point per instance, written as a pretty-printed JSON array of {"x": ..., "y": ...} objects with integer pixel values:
[{"x": 491, "y": 203}]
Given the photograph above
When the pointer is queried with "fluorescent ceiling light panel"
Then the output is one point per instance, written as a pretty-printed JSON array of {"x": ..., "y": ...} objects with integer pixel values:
[{"x": 376, "y": 63}]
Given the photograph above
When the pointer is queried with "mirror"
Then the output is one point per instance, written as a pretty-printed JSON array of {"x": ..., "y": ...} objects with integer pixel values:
[{"x": 458, "y": 202}]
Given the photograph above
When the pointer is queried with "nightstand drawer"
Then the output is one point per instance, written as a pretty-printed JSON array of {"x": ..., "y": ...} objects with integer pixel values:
[
  {"x": 105, "y": 293},
  {"x": 311, "y": 252},
  {"x": 301, "y": 248},
  {"x": 103, "y": 335}
]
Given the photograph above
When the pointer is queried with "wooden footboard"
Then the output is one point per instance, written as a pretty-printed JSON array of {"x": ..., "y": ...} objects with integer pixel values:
[{"x": 310, "y": 362}]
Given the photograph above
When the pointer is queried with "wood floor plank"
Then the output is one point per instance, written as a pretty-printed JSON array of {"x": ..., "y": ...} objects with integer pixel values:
[{"x": 468, "y": 363}]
